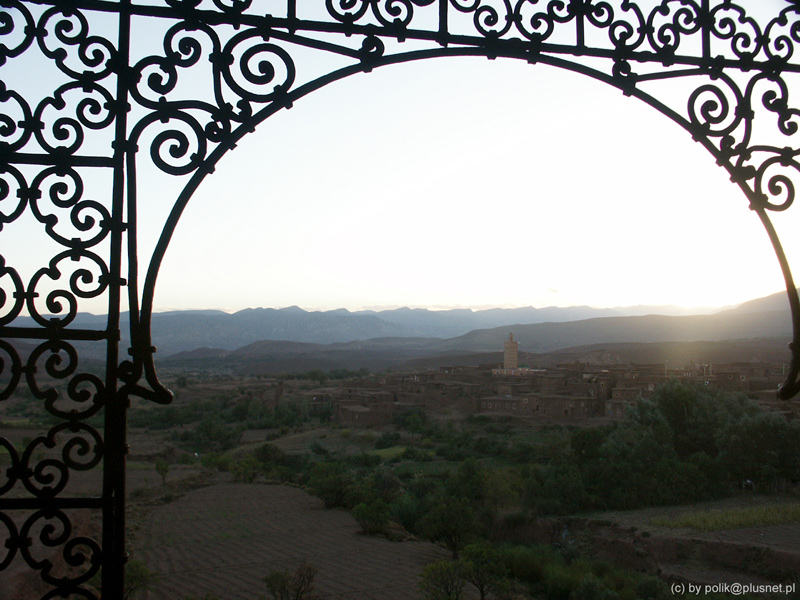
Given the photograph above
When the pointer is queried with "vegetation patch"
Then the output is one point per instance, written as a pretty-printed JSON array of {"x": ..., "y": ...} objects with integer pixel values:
[
  {"x": 389, "y": 453},
  {"x": 733, "y": 518}
]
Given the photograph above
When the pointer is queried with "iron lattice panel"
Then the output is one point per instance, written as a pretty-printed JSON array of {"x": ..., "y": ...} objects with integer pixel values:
[{"x": 101, "y": 98}]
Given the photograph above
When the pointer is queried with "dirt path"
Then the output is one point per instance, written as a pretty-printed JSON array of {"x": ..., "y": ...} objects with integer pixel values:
[{"x": 224, "y": 539}]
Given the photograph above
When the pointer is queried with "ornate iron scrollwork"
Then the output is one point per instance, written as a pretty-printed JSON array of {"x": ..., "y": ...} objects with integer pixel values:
[{"x": 164, "y": 88}]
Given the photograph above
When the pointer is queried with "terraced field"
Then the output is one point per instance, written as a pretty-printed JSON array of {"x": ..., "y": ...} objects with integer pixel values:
[{"x": 222, "y": 540}]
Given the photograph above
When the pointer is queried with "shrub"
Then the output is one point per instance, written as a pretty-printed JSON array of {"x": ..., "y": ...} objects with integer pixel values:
[
  {"x": 591, "y": 588},
  {"x": 283, "y": 585},
  {"x": 138, "y": 578},
  {"x": 246, "y": 469},
  {"x": 560, "y": 580},
  {"x": 407, "y": 510},
  {"x": 332, "y": 483},
  {"x": 387, "y": 440},
  {"x": 269, "y": 453},
  {"x": 442, "y": 580},
  {"x": 528, "y": 563},
  {"x": 373, "y": 517}
]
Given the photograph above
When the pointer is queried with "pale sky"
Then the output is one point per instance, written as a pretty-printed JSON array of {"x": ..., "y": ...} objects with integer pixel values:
[
  {"x": 471, "y": 183},
  {"x": 455, "y": 182}
]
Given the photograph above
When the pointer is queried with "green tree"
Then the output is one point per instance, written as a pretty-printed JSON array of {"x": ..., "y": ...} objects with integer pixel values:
[
  {"x": 442, "y": 580},
  {"x": 332, "y": 483},
  {"x": 162, "y": 468},
  {"x": 269, "y": 453},
  {"x": 317, "y": 375},
  {"x": 557, "y": 489},
  {"x": 762, "y": 447},
  {"x": 246, "y": 469},
  {"x": 138, "y": 578},
  {"x": 591, "y": 588},
  {"x": 385, "y": 485},
  {"x": 284, "y": 585},
  {"x": 373, "y": 517},
  {"x": 451, "y": 521},
  {"x": 469, "y": 481},
  {"x": 481, "y": 566},
  {"x": 696, "y": 414}
]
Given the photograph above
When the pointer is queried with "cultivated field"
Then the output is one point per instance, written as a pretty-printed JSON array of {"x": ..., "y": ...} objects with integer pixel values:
[{"x": 222, "y": 540}]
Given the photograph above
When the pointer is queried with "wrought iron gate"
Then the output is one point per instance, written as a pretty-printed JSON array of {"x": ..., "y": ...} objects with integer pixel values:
[{"x": 100, "y": 96}]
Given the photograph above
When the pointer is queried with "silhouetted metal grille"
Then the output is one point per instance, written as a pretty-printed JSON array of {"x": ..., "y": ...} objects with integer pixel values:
[{"x": 102, "y": 100}]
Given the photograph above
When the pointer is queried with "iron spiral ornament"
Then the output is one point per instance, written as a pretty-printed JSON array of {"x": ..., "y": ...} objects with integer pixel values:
[{"x": 129, "y": 90}]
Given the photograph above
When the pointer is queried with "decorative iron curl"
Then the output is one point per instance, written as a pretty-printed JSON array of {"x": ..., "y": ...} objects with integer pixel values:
[
  {"x": 771, "y": 168},
  {"x": 171, "y": 148},
  {"x": 625, "y": 34},
  {"x": 8, "y": 28},
  {"x": 57, "y": 366},
  {"x": 233, "y": 7},
  {"x": 64, "y": 29},
  {"x": 15, "y": 130},
  {"x": 264, "y": 73},
  {"x": 773, "y": 180},
  {"x": 13, "y": 541},
  {"x": 494, "y": 21},
  {"x": 783, "y": 33},
  {"x": 83, "y": 283},
  {"x": 73, "y": 592},
  {"x": 468, "y": 6},
  {"x": 776, "y": 100},
  {"x": 347, "y": 11},
  {"x": 65, "y": 192},
  {"x": 159, "y": 74},
  {"x": 257, "y": 78},
  {"x": 372, "y": 48},
  {"x": 12, "y": 472},
  {"x": 90, "y": 113},
  {"x": 54, "y": 532},
  {"x": 397, "y": 13},
  {"x": 13, "y": 188},
  {"x": 745, "y": 45},
  {"x": 10, "y": 368},
  {"x": 712, "y": 112},
  {"x": 665, "y": 34},
  {"x": 84, "y": 388},
  {"x": 599, "y": 14},
  {"x": 85, "y": 392},
  {"x": 50, "y": 476},
  {"x": 18, "y": 295},
  {"x": 539, "y": 26},
  {"x": 249, "y": 68}
]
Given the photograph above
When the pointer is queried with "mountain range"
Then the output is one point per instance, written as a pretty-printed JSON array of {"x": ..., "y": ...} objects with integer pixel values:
[
  {"x": 186, "y": 330},
  {"x": 294, "y": 340}
]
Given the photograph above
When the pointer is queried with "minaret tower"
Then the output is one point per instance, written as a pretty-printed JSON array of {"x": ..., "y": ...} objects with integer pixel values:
[{"x": 511, "y": 354}]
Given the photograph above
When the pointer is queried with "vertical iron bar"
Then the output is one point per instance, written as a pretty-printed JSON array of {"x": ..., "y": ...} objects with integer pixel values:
[
  {"x": 790, "y": 388},
  {"x": 705, "y": 29},
  {"x": 115, "y": 410},
  {"x": 443, "y": 25}
]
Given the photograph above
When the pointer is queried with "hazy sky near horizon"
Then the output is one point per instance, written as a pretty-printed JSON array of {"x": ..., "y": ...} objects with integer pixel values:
[
  {"x": 469, "y": 183},
  {"x": 455, "y": 182}
]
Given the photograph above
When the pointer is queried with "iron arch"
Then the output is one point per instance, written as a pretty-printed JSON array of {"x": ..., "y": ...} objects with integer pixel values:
[{"x": 165, "y": 88}]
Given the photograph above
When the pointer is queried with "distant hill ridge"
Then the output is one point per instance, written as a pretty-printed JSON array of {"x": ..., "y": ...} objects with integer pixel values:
[
  {"x": 187, "y": 330},
  {"x": 730, "y": 335},
  {"x": 537, "y": 329}
]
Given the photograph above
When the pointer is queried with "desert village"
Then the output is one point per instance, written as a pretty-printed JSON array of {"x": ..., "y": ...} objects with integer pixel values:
[{"x": 568, "y": 393}]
